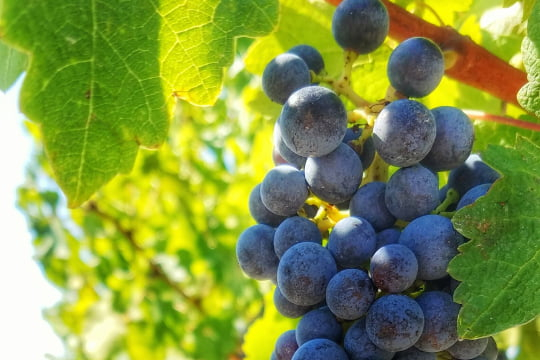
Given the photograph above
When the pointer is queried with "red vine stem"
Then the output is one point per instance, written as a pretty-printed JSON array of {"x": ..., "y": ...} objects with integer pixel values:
[{"x": 480, "y": 115}]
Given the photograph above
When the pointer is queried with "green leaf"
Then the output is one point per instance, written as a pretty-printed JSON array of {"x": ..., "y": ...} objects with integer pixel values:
[
  {"x": 12, "y": 64},
  {"x": 498, "y": 267},
  {"x": 198, "y": 42},
  {"x": 101, "y": 74},
  {"x": 529, "y": 95}
]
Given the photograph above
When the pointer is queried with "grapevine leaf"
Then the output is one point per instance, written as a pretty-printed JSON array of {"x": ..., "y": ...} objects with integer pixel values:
[
  {"x": 101, "y": 74},
  {"x": 498, "y": 267},
  {"x": 12, "y": 64},
  {"x": 529, "y": 95}
]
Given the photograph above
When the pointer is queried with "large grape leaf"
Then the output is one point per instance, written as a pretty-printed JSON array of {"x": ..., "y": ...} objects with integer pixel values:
[
  {"x": 12, "y": 64},
  {"x": 529, "y": 95},
  {"x": 102, "y": 73},
  {"x": 499, "y": 268}
]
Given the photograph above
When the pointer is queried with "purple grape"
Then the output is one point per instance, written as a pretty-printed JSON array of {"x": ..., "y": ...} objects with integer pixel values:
[
  {"x": 349, "y": 294},
  {"x": 359, "y": 347},
  {"x": 283, "y": 75},
  {"x": 368, "y": 202},
  {"x": 286, "y": 345},
  {"x": 255, "y": 252},
  {"x": 284, "y": 190},
  {"x": 294, "y": 230},
  {"x": 319, "y": 323},
  {"x": 352, "y": 242},
  {"x": 393, "y": 268},
  {"x": 320, "y": 349}
]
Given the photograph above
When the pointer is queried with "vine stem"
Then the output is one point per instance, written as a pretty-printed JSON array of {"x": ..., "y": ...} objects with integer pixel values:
[{"x": 480, "y": 115}]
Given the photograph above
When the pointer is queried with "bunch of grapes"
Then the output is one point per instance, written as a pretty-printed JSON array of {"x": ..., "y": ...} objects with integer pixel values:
[{"x": 362, "y": 257}]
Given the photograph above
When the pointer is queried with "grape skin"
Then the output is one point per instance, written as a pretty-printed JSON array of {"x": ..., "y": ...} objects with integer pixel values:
[
  {"x": 349, "y": 294},
  {"x": 286, "y": 345},
  {"x": 414, "y": 354},
  {"x": 336, "y": 176},
  {"x": 284, "y": 190},
  {"x": 404, "y": 132},
  {"x": 287, "y": 154},
  {"x": 366, "y": 151},
  {"x": 434, "y": 242},
  {"x": 368, "y": 202},
  {"x": 313, "y": 121},
  {"x": 394, "y": 322},
  {"x": 415, "y": 67},
  {"x": 387, "y": 237},
  {"x": 393, "y": 268},
  {"x": 359, "y": 347},
  {"x": 471, "y": 173},
  {"x": 311, "y": 56},
  {"x": 255, "y": 252},
  {"x": 468, "y": 349},
  {"x": 259, "y": 212},
  {"x": 472, "y": 195},
  {"x": 283, "y": 75},
  {"x": 319, "y": 323},
  {"x": 412, "y": 192},
  {"x": 440, "y": 325},
  {"x": 360, "y": 25},
  {"x": 320, "y": 349},
  {"x": 454, "y": 139},
  {"x": 352, "y": 242},
  {"x": 304, "y": 272},
  {"x": 287, "y": 308},
  {"x": 294, "y": 230}
]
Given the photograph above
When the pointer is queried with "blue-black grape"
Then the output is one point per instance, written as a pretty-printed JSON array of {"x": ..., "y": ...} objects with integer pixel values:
[
  {"x": 416, "y": 67},
  {"x": 304, "y": 271},
  {"x": 360, "y": 25},
  {"x": 313, "y": 121},
  {"x": 334, "y": 177},
  {"x": 255, "y": 252},
  {"x": 440, "y": 321},
  {"x": 259, "y": 212},
  {"x": 294, "y": 230},
  {"x": 413, "y": 353},
  {"x": 352, "y": 242},
  {"x": 319, "y": 323},
  {"x": 434, "y": 241},
  {"x": 287, "y": 154},
  {"x": 468, "y": 349},
  {"x": 394, "y": 322},
  {"x": 471, "y": 173},
  {"x": 412, "y": 192},
  {"x": 311, "y": 56},
  {"x": 358, "y": 346},
  {"x": 283, "y": 75},
  {"x": 472, "y": 194},
  {"x": 454, "y": 139},
  {"x": 404, "y": 132},
  {"x": 368, "y": 202},
  {"x": 491, "y": 352},
  {"x": 284, "y": 190},
  {"x": 286, "y": 345},
  {"x": 366, "y": 151},
  {"x": 393, "y": 268},
  {"x": 388, "y": 236},
  {"x": 349, "y": 294},
  {"x": 287, "y": 308},
  {"x": 320, "y": 349}
]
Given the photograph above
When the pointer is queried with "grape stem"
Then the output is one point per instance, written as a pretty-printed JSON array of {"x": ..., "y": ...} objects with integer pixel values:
[
  {"x": 480, "y": 115},
  {"x": 452, "y": 197}
]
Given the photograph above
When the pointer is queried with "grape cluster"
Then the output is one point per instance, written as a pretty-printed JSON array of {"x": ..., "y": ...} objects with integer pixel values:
[{"x": 363, "y": 263}]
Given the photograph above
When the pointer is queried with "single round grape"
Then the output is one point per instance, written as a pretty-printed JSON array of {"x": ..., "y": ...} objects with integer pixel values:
[
  {"x": 255, "y": 252},
  {"x": 440, "y": 321},
  {"x": 394, "y": 322},
  {"x": 259, "y": 212},
  {"x": 287, "y": 308},
  {"x": 360, "y": 25},
  {"x": 284, "y": 190},
  {"x": 320, "y": 349},
  {"x": 334, "y": 177},
  {"x": 352, "y": 242},
  {"x": 283, "y": 75},
  {"x": 454, "y": 139},
  {"x": 393, "y": 268},
  {"x": 387, "y": 237},
  {"x": 304, "y": 272},
  {"x": 313, "y": 121},
  {"x": 416, "y": 67},
  {"x": 471, "y": 173},
  {"x": 366, "y": 151},
  {"x": 368, "y": 202},
  {"x": 294, "y": 230},
  {"x": 359, "y": 347},
  {"x": 319, "y": 323},
  {"x": 468, "y": 349},
  {"x": 286, "y": 345},
  {"x": 404, "y": 132},
  {"x": 287, "y": 154},
  {"x": 491, "y": 352},
  {"x": 311, "y": 56},
  {"x": 412, "y": 192},
  {"x": 413, "y": 353},
  {"x": 350, "y": 293},
  {"x": 472, "y": 194},
  {"x": 434, "y": 242}
]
